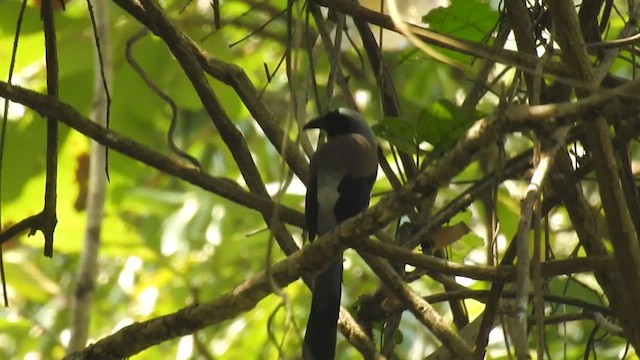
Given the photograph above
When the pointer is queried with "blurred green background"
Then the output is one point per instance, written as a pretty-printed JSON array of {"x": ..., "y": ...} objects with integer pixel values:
[{"x": 167, "y": 244}]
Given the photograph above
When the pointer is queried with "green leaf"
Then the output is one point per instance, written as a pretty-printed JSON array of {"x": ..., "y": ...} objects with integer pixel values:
[
  {"x": 398, "y": 132},
  {"x": 24, "y": 138},
  {"x": 471, "y": 20},
  {"x": 465, "y": 19},
  {"x": 9, "y": 17},
  {"x": 443, "y": 123}
]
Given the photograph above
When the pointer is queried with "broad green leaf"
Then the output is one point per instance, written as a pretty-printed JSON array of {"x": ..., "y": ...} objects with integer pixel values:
[
  {"x": 398, "y": 132},
  {"x": 465, "y": 19},
  {"x": 470, "y": 20},
  {"x": 443, "y": 123}
]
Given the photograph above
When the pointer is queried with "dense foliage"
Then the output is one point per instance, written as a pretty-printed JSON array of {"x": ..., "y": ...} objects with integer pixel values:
[{"x": 167, "y": 243}]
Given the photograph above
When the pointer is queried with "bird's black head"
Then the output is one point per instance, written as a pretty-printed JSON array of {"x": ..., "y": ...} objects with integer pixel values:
[{"x": 340, "y": 122}]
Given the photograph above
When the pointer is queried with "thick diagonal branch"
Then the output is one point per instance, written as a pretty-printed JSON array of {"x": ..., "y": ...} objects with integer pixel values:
[
  {"x": 234, "y": 76},
  {"x": 50, "y": 106},
  {"x": 421, "y": 309},
  {"x": 137, "y": 337}
]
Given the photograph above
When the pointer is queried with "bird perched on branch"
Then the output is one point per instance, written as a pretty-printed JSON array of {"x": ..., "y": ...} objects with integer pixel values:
[{"x": 341, "y": 176}]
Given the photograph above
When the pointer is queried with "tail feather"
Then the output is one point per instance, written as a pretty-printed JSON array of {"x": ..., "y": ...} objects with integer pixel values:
[{"x": 320, "y": 337}]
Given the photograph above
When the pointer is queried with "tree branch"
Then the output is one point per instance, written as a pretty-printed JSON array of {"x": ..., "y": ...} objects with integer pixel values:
[
  {"x": 502, "y": 273},
  {"x": 388, "y": 93},
  {"x": 422, "y": 310},
  {"x": 48, "y": 220},
  {"x": 621, "y": 229},
  {"x": 137, "y": 337},
  {"x": 520, "y": 60},
  {"x": 234, "y": 76},
  {"x": 229, "y": 133},
  {"x": 530, "y": 201},
  {"x": 87, "y": 270},
  {"x": 49, "y": 106}
]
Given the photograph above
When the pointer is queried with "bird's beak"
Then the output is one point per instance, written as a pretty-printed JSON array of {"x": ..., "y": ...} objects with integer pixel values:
[{"x": 317, "y": 123}]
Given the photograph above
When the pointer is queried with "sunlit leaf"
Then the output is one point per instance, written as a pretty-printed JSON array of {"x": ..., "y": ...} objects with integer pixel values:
[
  {"x": 466, "y": 19},
  {"x": 443, "y": 123},
  {"x": 470, "y": 20}
]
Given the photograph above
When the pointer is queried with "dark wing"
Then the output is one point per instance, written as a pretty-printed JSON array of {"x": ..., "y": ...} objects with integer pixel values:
[{"x": 354, "y": 196}]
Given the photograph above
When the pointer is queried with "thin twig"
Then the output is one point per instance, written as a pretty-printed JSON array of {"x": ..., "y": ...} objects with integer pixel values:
[
  {"x": 502, "y": 273},
  {"x": 483, "y": 295},
  {"x": 257, "y": 31},
  {"x": 333, "y": 49},
  {"x": 3, "y": 132},
  {"x": 103, "y": 77},
  {"x": 537, "y": 280},
  {"x": 421, "y": 309},
  {"x": 616, "y": 43},
  {"x": 164, "y": 96},
  {"x": 547, "y": 156},
  {"x": 388, "y": 93},
  {"x": 234, "y": 76},
  {"x": 49, "y": 219}
]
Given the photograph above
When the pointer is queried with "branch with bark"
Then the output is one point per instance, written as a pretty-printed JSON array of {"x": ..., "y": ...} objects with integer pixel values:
[
  {"x": 308, "y": 260},
  {"x": 554, "y": 178}
]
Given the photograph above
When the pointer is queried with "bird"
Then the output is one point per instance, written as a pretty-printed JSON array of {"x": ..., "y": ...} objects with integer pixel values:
[{"x": 341, "y": 175}]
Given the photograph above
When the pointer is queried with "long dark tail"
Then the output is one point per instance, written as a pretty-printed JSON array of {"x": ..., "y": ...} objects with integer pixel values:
[{"x": 320, "y": 338}]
